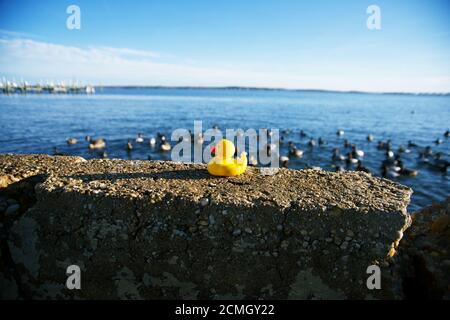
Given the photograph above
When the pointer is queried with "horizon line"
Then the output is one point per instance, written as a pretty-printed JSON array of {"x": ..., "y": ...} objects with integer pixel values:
[{"x": 267, "y": 89}]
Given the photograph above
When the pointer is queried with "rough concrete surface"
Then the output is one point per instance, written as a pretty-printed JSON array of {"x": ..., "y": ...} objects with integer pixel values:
[
  {"x": 422, "y": 266},
  {"x": 154, "y": 230}
]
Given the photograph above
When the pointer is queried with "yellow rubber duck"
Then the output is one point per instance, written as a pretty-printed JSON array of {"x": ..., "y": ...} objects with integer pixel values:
[{"x": 223, "y": 164}]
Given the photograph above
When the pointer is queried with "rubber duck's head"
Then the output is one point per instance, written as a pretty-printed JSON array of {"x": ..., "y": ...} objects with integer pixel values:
[{"x": 224, "y": 149}]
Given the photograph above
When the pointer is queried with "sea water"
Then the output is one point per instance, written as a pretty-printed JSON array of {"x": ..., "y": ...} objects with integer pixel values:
[{"x": 37, "y": 123}]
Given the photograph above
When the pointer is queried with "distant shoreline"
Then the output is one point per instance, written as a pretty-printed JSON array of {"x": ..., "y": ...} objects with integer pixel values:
[{"x": 239, "y": 88}]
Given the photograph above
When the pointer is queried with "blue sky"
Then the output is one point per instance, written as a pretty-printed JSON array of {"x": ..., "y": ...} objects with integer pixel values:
[{"x": 322, "y": 44}]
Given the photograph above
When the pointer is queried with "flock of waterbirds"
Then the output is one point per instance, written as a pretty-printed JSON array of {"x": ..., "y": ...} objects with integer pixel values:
[{"x": 346, "y": 157}]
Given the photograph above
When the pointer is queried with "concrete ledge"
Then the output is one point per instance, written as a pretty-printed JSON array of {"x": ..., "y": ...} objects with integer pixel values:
[{"x": 141, "y": 229}]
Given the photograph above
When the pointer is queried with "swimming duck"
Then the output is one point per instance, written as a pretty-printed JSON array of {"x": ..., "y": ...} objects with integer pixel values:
[
  {"x": 140, "y": 138},
  {"x": 296, "y": 152},
  {"x": 384, "y": 145},
  {"x": 389, "y": 154},
  {"x": 392, "y": 163},
  {"x": 356, "y": 153},
  {"x": 165, "y": 146},
  {"x": 386, "y": 171},
  {"x": 408, "y": 172},
  {"x": 402, "y": 149},
  {"x": 161, "y": 137},
  {"x": 400, "y": 168},
  {"x": 284, "y": 161},
  {"x": 337, "y": 156},
  {"x": 447, "y": 134},
  {"x": 97, "y": 143},
  {"x": 426, "y": 153},
  {"x": 440, "y": 164},
  {"x": 303, "y": 134},
  {"x": 340, "y": 132},
  {"x": 438, "y": 141},
  {"x": 223, "y": 164},
  {"x": 129, "y": 146},
  {"x": 350, "y": 160},
  {"x": 312, "y": 143},
  {"x": 71, "y": 141},
  {"x": 321, "y": 141},
  {"x": 152, "y": 142},
  {"x": 370, "y": 138}
]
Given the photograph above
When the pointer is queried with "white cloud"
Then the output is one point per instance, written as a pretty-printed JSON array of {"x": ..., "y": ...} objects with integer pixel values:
[{"x": 37, "y": 60}]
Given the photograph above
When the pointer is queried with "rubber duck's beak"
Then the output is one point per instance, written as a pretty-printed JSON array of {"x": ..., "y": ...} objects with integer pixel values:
[{"x": 213, "y": 151}]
